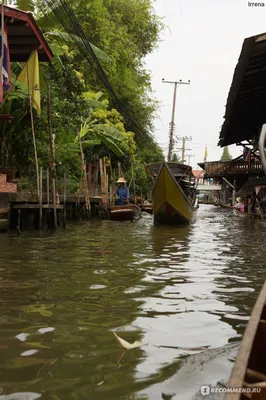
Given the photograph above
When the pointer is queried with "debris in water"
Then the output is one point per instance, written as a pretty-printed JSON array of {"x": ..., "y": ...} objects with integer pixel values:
[
  {"x": 127, "y": 345},
  {"x": 187, "y": 348}
]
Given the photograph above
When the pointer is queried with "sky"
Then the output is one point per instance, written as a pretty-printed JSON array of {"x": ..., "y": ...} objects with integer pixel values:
[{"x": 201, "y": 42}]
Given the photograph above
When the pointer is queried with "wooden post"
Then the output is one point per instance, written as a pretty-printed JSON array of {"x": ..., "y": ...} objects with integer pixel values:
[
  {"x": 101, "y": 174},
  {"x": 33, "y": 132},
  {"x": 48, "y": 186},
  {"x": 89, "y": 179},
  {"x": 40, "y": 200},
  {"x": 96, "y": 177},
  {"x": 18, "y": 225},
  {"x": 65, "y": 190},
  {"x": 52, "y": 154},
  {"x": 85, "y": 183}
]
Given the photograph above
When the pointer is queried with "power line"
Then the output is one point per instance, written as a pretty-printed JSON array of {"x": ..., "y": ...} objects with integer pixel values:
[{"x": 172, "y": 123}]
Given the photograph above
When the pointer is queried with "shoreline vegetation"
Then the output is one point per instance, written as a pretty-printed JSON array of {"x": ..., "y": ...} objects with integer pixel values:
[{"x": 122, "y": 33}]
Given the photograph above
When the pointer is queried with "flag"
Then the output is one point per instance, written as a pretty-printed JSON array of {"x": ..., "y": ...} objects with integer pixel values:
[
  {"x": 205, "y": 153},
  {"x": 5, "y": 78},
  {"x": 246, "y": 153},
  {"x": 31, "y": 71}
]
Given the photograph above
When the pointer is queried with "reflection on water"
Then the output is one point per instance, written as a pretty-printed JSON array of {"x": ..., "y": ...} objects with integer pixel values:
[{"x": 62, "y": 295}]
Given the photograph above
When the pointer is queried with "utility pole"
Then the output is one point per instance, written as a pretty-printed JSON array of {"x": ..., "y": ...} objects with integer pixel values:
[
  {"x": 183, "y": 148},
  {"x": 172, "y": 123},
  {"x": 189, "y": 156}
]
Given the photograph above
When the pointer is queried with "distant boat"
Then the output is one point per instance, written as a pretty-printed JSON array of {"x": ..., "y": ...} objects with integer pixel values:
[
  {"x": 174, "y": 193},
  {"x": 147, "y": 208}
]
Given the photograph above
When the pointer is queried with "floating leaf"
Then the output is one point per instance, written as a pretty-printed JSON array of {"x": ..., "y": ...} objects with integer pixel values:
[
  {"x": 126, "y": 344},
  {"x": 21, "y": 396},
  {"x": 22, "y": 336},
  {"x": 29, "y": 353},
  {"x": 45, "y": 330}
]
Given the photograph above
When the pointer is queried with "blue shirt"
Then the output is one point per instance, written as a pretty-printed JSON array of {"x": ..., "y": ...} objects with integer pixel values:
[{"x": 122, "y": 192}]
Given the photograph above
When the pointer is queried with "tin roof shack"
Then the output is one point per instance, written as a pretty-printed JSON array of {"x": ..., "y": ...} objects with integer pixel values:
[
  {"x": 246, "y": 102},
  {"x": 243, "y": 119},
  {"x": 24, "y": 36}
]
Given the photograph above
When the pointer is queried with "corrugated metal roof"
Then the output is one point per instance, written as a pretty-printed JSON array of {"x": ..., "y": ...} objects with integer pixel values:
[
  {"x": 246, "y": 102},
  {"x": 24, "y": 36}
]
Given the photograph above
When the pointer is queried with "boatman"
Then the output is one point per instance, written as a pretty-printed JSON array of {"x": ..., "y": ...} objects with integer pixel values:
[{"x": 121, "y": 192}]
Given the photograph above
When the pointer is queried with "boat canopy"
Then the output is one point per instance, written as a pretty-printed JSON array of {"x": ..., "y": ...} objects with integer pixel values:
[{"x": 176, "y": 169}]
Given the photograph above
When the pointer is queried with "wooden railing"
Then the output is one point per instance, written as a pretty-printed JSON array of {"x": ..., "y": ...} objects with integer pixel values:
[{"x": 240, "y": 167}]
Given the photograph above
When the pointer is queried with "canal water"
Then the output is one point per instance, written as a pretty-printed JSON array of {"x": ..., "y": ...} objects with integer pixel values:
[{"x": 185, "y": 294}]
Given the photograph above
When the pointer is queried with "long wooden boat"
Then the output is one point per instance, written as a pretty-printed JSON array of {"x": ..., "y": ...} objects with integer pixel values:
[
  {"x": 4, "y": 222},
  {"x": 174, "y": 194},
  {"x": 247, "y": 215},
  {"x": 249, "y": 370},
  {"x": 147, "y": 208},
  {"x": 225, "y": 206},
  {"x": 124, "y": 213}
]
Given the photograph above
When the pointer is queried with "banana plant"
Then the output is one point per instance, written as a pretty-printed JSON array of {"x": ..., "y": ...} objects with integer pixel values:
[{"x": 92, "y": 134}]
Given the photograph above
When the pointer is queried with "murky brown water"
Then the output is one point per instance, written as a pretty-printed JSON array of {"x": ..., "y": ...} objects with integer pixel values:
[{"x": 62, "y": 295}]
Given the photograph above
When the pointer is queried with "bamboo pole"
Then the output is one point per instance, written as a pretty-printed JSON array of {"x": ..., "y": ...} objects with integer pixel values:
[
  {"x": 52, "y": 154},
  {"x": 89, "y": 179},
  {"x": 96, "y": 177},
  {"x": 40, "y": 200},
  {"x": 65, "y": 189},
  {"x": 85, "y": 183},
  {"x": 101, "y": 174},
  {"x": 33, "y": 131},
  {"x": 48, "y": 185},
  {"x": 113, "y": 188}
]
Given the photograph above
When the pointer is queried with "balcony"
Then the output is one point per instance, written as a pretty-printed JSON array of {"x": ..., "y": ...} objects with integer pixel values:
[{"x": 234, "y": 167}]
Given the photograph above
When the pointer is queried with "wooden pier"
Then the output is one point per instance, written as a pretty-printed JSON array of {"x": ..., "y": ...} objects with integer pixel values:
[{"x": 22, "y": 211}]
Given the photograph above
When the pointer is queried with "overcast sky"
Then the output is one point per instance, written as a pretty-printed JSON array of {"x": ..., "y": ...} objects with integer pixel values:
[{"x": 201, "y": 42}]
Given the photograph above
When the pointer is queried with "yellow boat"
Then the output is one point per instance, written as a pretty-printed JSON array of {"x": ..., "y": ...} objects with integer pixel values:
[{"x": 174, "y": 193}]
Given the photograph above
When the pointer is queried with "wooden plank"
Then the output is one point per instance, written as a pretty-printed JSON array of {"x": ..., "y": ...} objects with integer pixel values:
[
  {"x": 34, "y": 206},
  {"x": 33, "y": 198},
  {"x": 241, "y": 363},
  {"x": 254, "y": 376}
]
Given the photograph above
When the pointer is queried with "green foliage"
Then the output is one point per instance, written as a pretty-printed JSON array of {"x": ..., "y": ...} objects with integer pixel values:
[
  {"x": 26, "y": 5},
  {"x": 226, "y": 156},
  {"x": 121, "y": 33},
  {"x": 175, "y": 158}
]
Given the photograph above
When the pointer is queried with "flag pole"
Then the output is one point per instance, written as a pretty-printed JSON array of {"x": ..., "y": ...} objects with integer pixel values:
[
  {"x": 2, "y": 47},
  {"x": 33, "y": 132}
]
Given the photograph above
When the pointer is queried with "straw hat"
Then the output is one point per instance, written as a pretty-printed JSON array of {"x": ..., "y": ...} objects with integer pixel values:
[
  {"x": 238, "y": 199},
  {"x": 121, "y": 180}
]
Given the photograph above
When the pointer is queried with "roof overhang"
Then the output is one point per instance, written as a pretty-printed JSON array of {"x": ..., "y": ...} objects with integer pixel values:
[
  {"x": 250, "y": 185},
  {"x": 24, "y": 36},
  {"x": 246, "y": 102}
]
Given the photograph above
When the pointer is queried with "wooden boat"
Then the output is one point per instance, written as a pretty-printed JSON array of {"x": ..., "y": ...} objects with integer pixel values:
[
  {"x": 249, "y": 370},
  {"x": 225, "y": 206},
  {"x": 124, "y": 213},
  {"x": 174, "y": 195},
  {"x": 247, "y": 215},
  {"x": 4, "y": 224},
  {"x": 147, "y": 208}
]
